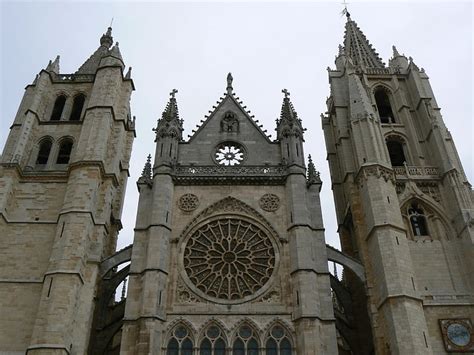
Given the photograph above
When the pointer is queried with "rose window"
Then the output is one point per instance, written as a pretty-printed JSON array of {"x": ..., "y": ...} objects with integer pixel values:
[
  {"x": 229, "y": 259},
  {"x": 229, "y": 154}
]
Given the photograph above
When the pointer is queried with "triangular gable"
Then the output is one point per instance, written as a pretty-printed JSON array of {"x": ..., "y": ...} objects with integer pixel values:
[{"x": 221, "y": 108}]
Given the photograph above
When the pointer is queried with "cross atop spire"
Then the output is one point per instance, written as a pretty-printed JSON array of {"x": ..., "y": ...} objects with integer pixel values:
[
  {"x": 286, "y": 92},
  {"x": 173, "y": 93},
  {"x": 345, "y": 11}
]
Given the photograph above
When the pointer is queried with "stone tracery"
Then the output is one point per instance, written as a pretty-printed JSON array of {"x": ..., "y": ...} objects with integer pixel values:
[{"x": 229, "y": 258}]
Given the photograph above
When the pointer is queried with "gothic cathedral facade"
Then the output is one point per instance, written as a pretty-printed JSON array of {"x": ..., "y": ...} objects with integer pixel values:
[{"x": 229, "y": 254}]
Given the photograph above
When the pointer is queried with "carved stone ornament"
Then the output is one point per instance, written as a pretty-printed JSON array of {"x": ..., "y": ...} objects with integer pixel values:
[
  {"x": 269, "y": 202},
  {"x": 458, "y": 335},
  {"x": 229, "y": 259},
  {"x": 229, "y": 154},
  {"x": 188, "y": 202}
]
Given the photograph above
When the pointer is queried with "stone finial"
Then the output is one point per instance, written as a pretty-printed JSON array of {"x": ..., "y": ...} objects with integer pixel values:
[
  {"x": 53, "y": 66},
  {"x": 107, "y": 40},
  {"x": 313, "y": 175},
  {"x": 229, "y": 83},
  {"x": 395, "y": 52}
]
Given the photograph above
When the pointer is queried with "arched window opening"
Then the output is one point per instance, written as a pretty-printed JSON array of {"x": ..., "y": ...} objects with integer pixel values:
[
  {"x": 395, "y": 150},
  {"x": 77, "y": 107},
  {"x": 64, "y": 153},
  {"x": 180, "y": 343},
  {"x": 43, "y": 152},
  {"x": 246, "y": 343},
  {"x": 278, "y": 342},
  {"x": 58, "y": 108},
  {"x": 212, "y": 344},
  {"x": 383, "y": 106},
  {"x": 417, "y": 220}
]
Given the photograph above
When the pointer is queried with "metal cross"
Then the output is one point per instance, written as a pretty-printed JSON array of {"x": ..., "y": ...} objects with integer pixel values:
[
  {"x": 173, "y": 93},
  {"x": 345, "y": 11},
  {"x": 286, "y": 92}
]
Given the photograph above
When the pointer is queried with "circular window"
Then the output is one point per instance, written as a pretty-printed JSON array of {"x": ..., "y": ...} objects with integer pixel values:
[
  {"x": 229, "y": 260},
  {"x": 229, "y": 154}
]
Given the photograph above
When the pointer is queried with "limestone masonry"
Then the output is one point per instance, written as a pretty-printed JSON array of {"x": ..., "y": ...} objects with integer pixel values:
[{"x": 229, "y": 255}]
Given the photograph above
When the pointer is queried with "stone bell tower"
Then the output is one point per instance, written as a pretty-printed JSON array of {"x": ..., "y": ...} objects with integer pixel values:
[
  {"x": 229, "y": 253},
  {"x": 404, "y": 206},
  {"x": 63, "y": 174}
]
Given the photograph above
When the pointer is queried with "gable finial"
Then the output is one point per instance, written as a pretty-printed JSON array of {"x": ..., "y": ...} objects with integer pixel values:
[
  {"x": 173, "y": 93},
  {"x": 286, "y": 92},
  {"x": 229, "y": 83}
]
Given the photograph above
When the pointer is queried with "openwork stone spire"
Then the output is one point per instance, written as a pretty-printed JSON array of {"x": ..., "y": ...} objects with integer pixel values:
[
  {"x": 170, "y": 125},
  {"x": 358, "y": 48},
  {"x": 289, "y": 124}
]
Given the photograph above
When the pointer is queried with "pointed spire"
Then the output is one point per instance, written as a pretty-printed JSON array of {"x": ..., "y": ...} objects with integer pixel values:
[
  {"x": 358, "y": 48},
  {"x": 53, "y": 66},
  {"x": 115, "y": 52},
  {"x": 229, "y": 83},
  {"x": 289, "y": 123},
  {"x": 129, "y": 73},
  {"x": 146, "y": 176},
  {"x": 313, "y": 175},
  {"x": 170, "y": 125},
  {"x": 398, "y": 61},
  {"x": 91, "y": 65},
  {"x": 395, "y": 52}
]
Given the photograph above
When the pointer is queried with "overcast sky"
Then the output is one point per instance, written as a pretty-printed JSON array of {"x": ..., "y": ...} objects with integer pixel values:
[{"x": 267, "y": 46}]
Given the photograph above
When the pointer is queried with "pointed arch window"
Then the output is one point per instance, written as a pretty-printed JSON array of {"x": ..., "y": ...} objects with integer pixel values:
[
  {"x": 246, "y": 342},
  {"x": 77, "y": 107},
  {"x": 58, "y": 108},
  {"x": 384, "y": 107},
  {"x": 213, "y": 343},
  {"x": 180, "y": 342},
  {"x": 64, "y": 153},
  {"x": 417, "y": 220},
  {"x": 396, "y": 152},
  {"x": 278, "y": 342},
  {"x": 44, "y": 151}
]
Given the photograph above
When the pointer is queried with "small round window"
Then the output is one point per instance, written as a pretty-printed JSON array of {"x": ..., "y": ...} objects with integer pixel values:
[{"x": 229, "y": 154}]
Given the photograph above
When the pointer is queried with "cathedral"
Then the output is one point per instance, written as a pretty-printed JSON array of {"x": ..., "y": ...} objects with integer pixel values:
[{"x": 229, "y": 253}]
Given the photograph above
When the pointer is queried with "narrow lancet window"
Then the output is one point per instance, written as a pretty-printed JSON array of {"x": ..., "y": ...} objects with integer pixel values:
[
  {"x": 43, "y": 152},
  {"x": 64, "y": 153},
  {"x": 77, "y": 107},
  {"x": 395, "y": 150},
  {"x": 383, "y": 106},
  {"x": 417, "y": 220},
  {"x": 58, "y": 108}
]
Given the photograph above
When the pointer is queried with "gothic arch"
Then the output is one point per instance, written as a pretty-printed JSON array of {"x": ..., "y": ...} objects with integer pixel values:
[
  {"x": 246, "y": 322},
  {"x": 382, "y": 94},
  {"x": 213, "y": 335},
  {"x": 278, "y": 334},
  {"x": 173, "y": 324},
  {"x": 228, "y": 205},
  {"x": 397, "y": 148},
  {"x": 432, "y": 212}
]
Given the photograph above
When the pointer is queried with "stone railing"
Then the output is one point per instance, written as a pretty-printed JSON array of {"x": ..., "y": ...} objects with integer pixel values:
[
  {"x": 416, "y": 171},
  {"x": 378, "y": 71},
  {"x": 226, "y": 174},
  {"x": 82, "y": 78}
]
